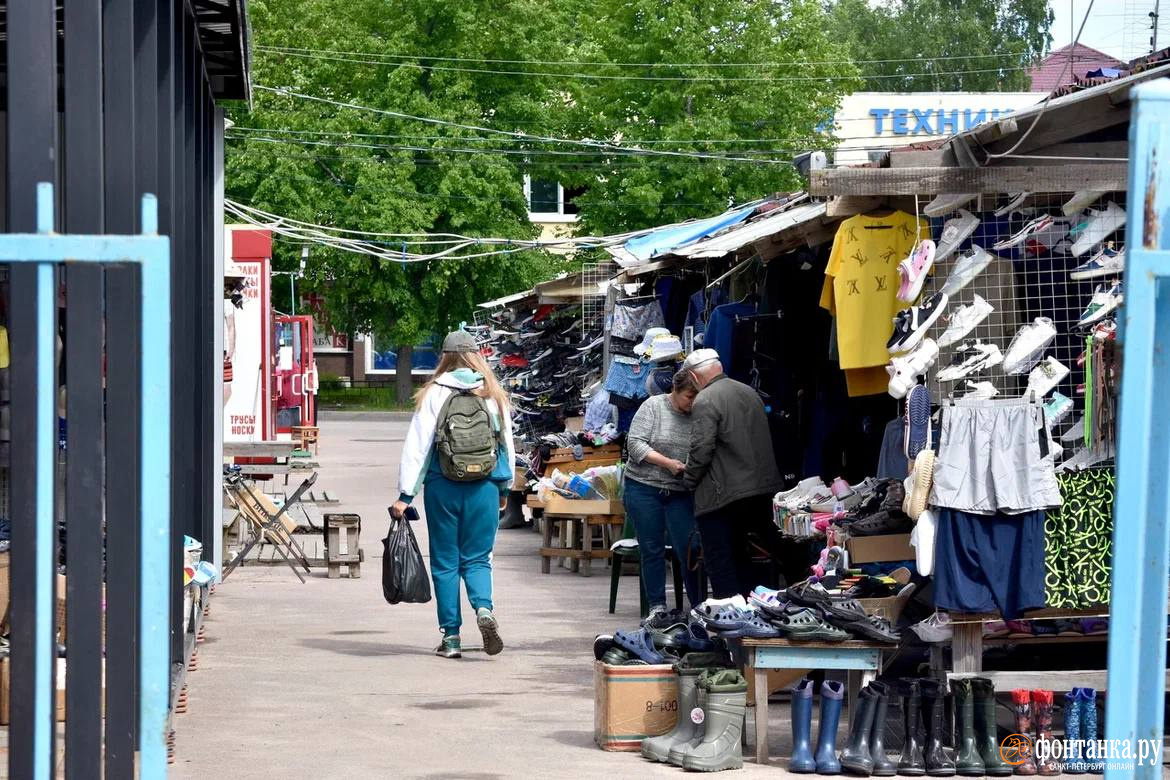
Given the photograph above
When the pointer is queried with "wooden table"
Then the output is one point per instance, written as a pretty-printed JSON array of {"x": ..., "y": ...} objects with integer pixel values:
[
  {"x": 861, "y": 659},
  {"x": 579, "y": 518},
  {"x": 258, "y": 449}
]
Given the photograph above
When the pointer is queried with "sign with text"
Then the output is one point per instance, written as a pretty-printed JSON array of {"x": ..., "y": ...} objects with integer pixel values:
[{"x": 247, "y": 352}]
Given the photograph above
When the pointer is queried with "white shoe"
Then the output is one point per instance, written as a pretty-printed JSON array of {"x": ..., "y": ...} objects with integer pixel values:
[
  {"x": 1028, "y": 346},
  {"x": 1075, "y": 431},
  {"x": 904, "y": 370},
  {"x": 981, "y": 390},
  {"x": 1038, "y": 224},
  {"x": 966, "y": 268},
  {"x": 1106, "y": 262},
  {"x": 1045, "y": 377},
  {"x": 1097, "y": 227},
  {"x": 1081, "y": 201},
  {"x": 911, "y": 324},
  {"x": 964, "y": 321},
  {"x": 935, "y": 629},
  {"x": 1103, "y": 303},
  {"x": 955, "y": 231},
  {"x": 971, "y": 358},
  {"x": 1013, "y": 204},
  {"x": 945, "y": 204},
  {"x": 1056, "y": 409}
]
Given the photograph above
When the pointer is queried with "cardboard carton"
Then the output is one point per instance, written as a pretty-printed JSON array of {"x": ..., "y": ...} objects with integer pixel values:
[
  {"x": 559, "y": 505},
  {"x": 870, "y": 549},
  {"x": 6, "y": 687},
  {"x": 631, "y": 703}
]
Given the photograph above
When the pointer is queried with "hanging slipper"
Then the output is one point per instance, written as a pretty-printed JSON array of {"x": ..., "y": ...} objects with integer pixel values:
[{"x": 639, "y": 643}]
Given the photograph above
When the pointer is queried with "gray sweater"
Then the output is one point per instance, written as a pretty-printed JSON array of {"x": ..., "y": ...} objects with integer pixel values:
[{"x": 660, "y": 427}]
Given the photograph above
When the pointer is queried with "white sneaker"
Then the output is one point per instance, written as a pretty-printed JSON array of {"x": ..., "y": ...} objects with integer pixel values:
[
  {"x": 1038, "y": 224},
  {"x": 904, "y": 370},
  {"x": 1028, "y": 346},
  {"x": 1013, "y": 204},
  {"x": 971, "y": 358},
  {"x": 1056, "y": 409},
  {"x": 935, "y": 629},
  {"x": 967, "y": 267},
  {"x": 955, "y": 231},
  {"x": 1075, "y": 431},
  {"x": 1045, "y": 377},
  {"x": 1081, "y": 201},
  {"x": 945, "y": 204},
  {"x": 1097, "y": 227},
  {"x": 981, "y": 390},
  {"x": 1107, "y": 262},
  {"x": 964, "y": 321},
  {"x": 1103, "y": 303}
]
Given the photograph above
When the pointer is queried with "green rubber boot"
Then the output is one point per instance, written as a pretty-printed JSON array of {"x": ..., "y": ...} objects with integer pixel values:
[
  {"x": 968, "y": 762},
  {"x": 685, "y": 729},
  {"x": 721, "y": 747},
  {"x": 986, "y": 735},
  {"x": 678, "y": 750}
]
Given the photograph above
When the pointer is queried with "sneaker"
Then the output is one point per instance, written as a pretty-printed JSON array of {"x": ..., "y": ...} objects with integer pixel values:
[
  {"x": 1052, "y": 238},
  {"x": 1045, "y": 377},
  {"x": 995, "y": 628},
  {"x": 1038, "y": 224},
  {"x": 918, "y": 321},
  {"x": 914, "y": 270},
  {"x": 972, "y": 358},
  {"x": 1028, "y": 346},
  {"x": 1107, "y": 262},
  {"x": 967, "y": 267},
  {"x": 1081, "y": 201},
  {"x": 936, "y": 629},
  {"x": 905, "y": 369},
  {"x": 955, "y": 231},
  {"x": 1103, "y": 303},
  {"x": 964, "y": 321},
  {"x": 901, "y": 331},
  {"x": 981, "y": 390},
  {"x": 450, "y": 647},
  {"x": 945, "y": 204},
  {"x": 1106, "y": 330},
  {"x": 1075, "y": 432},
  {"x": 1016, "y": 201},
  {"x": 1097, "y": 227},
  {"x": 1057, "y": 408}
]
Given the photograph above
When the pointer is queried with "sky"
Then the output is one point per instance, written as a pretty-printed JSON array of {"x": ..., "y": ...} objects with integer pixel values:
[{"x": 1117, "y": 27}]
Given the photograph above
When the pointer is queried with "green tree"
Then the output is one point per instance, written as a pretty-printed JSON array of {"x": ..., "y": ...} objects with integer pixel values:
[{"x": 943, "y": 45}]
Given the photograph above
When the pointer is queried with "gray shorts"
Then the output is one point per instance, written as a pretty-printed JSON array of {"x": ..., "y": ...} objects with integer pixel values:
[{"x": 994, "y": 456}]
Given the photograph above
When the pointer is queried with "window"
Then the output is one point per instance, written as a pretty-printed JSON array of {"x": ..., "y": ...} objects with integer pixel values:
[
  {"x": 548, "y": 201},
  {"x": 423, "y": 359}
]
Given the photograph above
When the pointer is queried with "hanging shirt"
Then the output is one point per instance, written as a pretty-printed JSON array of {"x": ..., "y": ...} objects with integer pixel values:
[
  {"x": 721, "y": 337},
  {"x": 861, "y": 283}
]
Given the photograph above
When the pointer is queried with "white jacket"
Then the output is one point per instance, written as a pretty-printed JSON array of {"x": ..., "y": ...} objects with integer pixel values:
[{"x": 420, "y": 439}]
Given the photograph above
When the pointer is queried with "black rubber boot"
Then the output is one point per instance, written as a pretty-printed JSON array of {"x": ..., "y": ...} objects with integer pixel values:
[
  {"x": 938, "y": 763},
  {"x": 882, "y": 765},
  {"x": 912, "y": 764},
  {"x": 513, "y": 514},
  {"x": 968, "y": 762},
  {"x": 855, "y": 758},
  {"x": 986, "y": 734}
]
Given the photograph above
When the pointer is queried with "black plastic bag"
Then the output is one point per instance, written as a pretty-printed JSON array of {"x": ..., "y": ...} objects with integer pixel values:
[{"x": 404, "y": 575}]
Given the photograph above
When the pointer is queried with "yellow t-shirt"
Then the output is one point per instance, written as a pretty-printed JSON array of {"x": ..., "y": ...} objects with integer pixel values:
[{"x": 861, "y": 283}]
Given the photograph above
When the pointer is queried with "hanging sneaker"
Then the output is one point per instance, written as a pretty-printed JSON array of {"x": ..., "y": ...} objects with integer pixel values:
[
  {"x": 1020, "y": 236},
  {"x": 1081, "y": 201},
  {"x": 1016, "y": 201},
  {"x": 972, "y": 358},
  {"x": 1056, "y": 409},
  {"x": 1052, "y": 238},
  {"x": 1103, "y": 303},
  {"x": 964, "y": 321},
  {"x": 981, "y": 391},
  {"x": 1105, "y": 330},
  {"x": 1097, "y": 227},
  {"x": 1028, "y": 346},
  {"x": 936, "y": 629},
  {"x": 1107, "y": 262},
  {"x": 918, "y": 320},
  {"x": 1045, "y": 377},
  {"x": 967, "y": 267},
  {"x": 945, "y": 204},
  {"x": 917, "y": 427},
  {"x": 955, "y": 231},
  {"x": 904, "y": 370},
  {"x": 914, "y": 270}
]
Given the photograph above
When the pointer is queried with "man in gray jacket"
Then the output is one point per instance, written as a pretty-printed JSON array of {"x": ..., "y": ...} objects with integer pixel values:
[{"x": 733, "y": 472}]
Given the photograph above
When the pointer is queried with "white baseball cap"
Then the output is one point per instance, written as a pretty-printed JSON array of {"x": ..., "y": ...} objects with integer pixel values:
[{"x": 700, "y": 357}]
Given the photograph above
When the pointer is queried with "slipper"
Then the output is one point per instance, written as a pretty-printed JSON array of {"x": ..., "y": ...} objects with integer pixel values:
[
  {"x": 768, "y": 601},
  {"x": 721, "y": 617},
  {"x": 754, "y": 627},
  {"x": 697, "y": 638},
  {"x": 640, "y": 644},
  {"x": 845, "y": 611},
  {"x": 917, "y": 421},
  {"x": 808, "y": 594},
  {"x": 806, "y": 625},
  {"x": 876, "y": 629}
]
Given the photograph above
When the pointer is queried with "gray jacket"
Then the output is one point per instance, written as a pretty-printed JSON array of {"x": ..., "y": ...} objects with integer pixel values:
[{"x": 731, "y": 449}]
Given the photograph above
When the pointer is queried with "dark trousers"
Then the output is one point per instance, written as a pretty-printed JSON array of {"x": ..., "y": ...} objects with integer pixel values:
[{"x": 727, "y": 552}]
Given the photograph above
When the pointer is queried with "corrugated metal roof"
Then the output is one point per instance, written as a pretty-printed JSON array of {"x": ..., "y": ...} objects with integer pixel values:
[
  {"x": 765, "y": 227},
  {"x": 1047, "y": 75}
]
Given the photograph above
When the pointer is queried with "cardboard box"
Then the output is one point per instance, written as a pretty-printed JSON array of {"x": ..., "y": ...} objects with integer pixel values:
[
  {"x": 870, "y": 549},
  {"x": 6, "y": 686},
  {"x": 559, "y": 505},
  {"x": 631, "y": 703}
]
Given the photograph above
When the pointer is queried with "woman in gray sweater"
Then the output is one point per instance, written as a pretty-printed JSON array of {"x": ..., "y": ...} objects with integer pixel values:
[{"x": 655, "y": 498}]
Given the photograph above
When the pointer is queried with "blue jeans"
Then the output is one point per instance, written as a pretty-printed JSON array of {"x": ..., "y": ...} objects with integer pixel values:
[{"x": 660, "y": 515}]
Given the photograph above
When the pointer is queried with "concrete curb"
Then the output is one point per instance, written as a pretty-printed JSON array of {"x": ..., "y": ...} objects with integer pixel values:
[{"x": 343, "y": 416}]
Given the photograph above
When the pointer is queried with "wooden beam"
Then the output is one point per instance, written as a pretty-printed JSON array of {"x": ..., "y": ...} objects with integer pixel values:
[
  {"x": 1061, "y": 125},
  {"x": 945, "y": 158},
  {"x": 849, "y": 205},
  {"x": 1071, "y": 177}
]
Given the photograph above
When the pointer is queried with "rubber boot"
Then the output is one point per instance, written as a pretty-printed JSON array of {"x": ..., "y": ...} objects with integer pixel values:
[
  {"x": 832, "y": 695},
  {"x": 986, "y": 733},
  {"x": 1074, "y": 763},
  {"x": 1095, "y": 763},
  {"x": 685, "y": 729},
  {"x": 802, "y": 761},
  {"x": 938, "y": 763},
  {"x": 882, "y": 765},
  {"x": 722, "y": 744},
  {"x": 1042, "y": 715},
  {"x": 679, "y": 749},
  {"x": 912, "y": 763},
  {"x": 513, "y": 514},
  {"x": 968, "y": 762},
  {"x": 855, "y": 758},
  {"x": 1022, "y": 704}
]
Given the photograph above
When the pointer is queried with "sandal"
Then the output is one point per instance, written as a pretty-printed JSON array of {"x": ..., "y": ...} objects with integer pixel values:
[
  {"x": 844, "y": 611},
  {"x": 724, "y": 617},
  {"x": 755, "y": 627},
  {"x": 768, "y": 601},
  {"x": 673, "y": 638},
  {"x": 808, "y": 594},
  {"x": 877, "y": 629},
  {"x": 805, "y": 625},
  {"x": 639, "y": 643},
  {"x": 697, "y": 638}
]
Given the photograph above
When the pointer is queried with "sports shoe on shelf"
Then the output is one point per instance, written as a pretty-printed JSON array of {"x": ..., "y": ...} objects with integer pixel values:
[
  {"x": 966, "y": 268},
  {"x": 911, "y": 324},
  {"x": 955, "y": 231},
  {"x": 904, "y": 370},
  {"x": 1017, "y": 200},
  {"x": 936, "y": 629},
  {"x": 1103, "y": 303},
  {"x": 1045, "y": 377},
  {"x": 981, "y": 391},
  {"x": 1081, "y": 201},
  {"x": 971, "y": 358},
  {"x": 1057, "y": 408},
  {"x": 1097, "y": 227},
  {"x": 1020, "y": 236},
  {"x": 1028, "y": 346},
  {"x": 1107, "y": 262},
  {"x": 964, "y": 320},
  {"x": 914, "y": 270}
]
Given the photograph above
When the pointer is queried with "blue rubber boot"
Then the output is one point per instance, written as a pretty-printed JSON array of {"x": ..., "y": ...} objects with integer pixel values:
[
  {"x": 1073, "y": 707},
  {"x": 1096, "y": 764},
  {"x": 832, "y": 696},
  {"x": 802, "y": 760}
]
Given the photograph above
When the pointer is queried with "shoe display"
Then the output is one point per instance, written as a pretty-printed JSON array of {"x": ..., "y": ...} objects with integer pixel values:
[
  {"x": 1107, "y": 262},
  {"x": 914, "y": 271},
  {"x": 1074, "y": 762},
  {"x": 945, "y": 204},
  {"x": 1045, "y": 377},
  {"x": 980, "y": 390},
  {"x": 911, "y": 324},
  {"x": 955, "y": 231},
  {"x": 802, "y": 761},
  {"x": 935, "y": 629},
  {"x": 1020, "y": 236},
  {"x": 1016, "y": 200},
  {"x": 911, "y": 763},
  {"x": 806, "y": 625},
  {"x": 1028, "y": 346},
  {"x": 964, "y": 320},
  {"x": 1103, "y": 303},
  {"x": 904, "y": 370},
  {"x": 639, "y": 644},
  {"x": 686, "y": 731},
  {"x": 721, "y": 747},
  {"x": 966, "y": 268},
  {"x": 1095, "y": 763},
  {"x": 832, "y": 697},
  {"x": 968, "y": 761},
  {"x": 1097, "y": 227},
  {"x": 1056, "y": 409},
  {"x": 882, "y": 765},
  {"x": 971, "y": 358}
]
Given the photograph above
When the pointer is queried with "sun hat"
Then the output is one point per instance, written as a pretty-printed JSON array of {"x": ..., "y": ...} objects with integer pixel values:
[
  {"x": 700, "y": 357},
  {"x": 643, "y": 348},
  {"x": 666, "y": 347},
  {"x": 459, "y": 341}
]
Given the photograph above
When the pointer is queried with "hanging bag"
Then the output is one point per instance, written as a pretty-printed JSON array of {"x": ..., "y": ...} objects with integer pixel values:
[{"x": 404, "y": 573}]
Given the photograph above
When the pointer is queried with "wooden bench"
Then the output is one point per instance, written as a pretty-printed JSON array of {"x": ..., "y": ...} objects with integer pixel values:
[{"x": 968, "y": 641}]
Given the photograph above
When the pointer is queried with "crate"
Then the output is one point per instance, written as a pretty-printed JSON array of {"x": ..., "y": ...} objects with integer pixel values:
[{"x": 342, "y": 544}]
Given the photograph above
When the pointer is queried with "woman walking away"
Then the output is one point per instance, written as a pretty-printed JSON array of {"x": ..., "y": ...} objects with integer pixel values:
[
  {"x": 660, "y": 506},
  {"x": 460, "y": 449}
]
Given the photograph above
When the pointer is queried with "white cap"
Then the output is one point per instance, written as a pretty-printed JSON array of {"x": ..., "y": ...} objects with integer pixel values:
[{"x": 700, "y": 357}]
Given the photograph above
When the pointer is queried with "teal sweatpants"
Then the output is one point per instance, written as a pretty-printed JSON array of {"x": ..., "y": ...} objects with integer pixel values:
[{"x": 462, "y": 518}]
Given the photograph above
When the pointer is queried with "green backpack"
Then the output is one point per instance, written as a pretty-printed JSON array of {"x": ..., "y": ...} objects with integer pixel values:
[{"x": 465, "y": 439}]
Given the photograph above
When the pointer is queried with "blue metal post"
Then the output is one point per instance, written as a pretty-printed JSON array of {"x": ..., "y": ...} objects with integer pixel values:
[{"x": 1141, "y": 534}]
